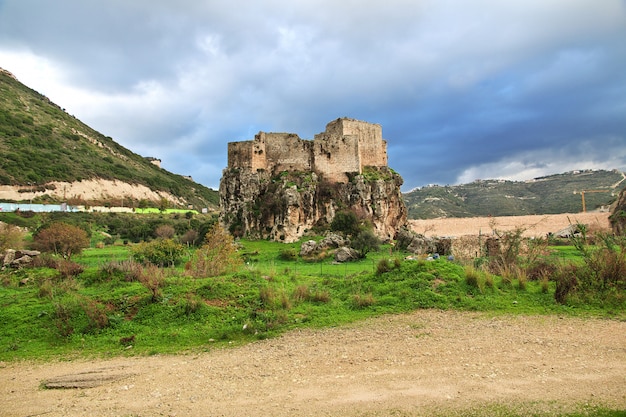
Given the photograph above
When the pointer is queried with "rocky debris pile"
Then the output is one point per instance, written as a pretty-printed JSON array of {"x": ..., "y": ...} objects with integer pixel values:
[
  {"x": 332, "y": 241},
  {"x": 419, "y": 244},
  {"x": 17, "y": 258}
]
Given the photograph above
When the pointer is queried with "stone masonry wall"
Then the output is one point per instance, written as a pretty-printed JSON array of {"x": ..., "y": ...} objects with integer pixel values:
[
  {"x": 346, "y": 146},
  {"x": 286, "y": 152}
]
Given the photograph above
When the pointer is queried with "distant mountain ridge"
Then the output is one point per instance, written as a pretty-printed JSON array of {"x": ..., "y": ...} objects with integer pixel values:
[
  {"x": 553, "y": 194},
  {"x": 50, "y": 156}
]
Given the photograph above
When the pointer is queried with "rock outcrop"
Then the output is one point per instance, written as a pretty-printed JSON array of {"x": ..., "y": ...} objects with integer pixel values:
[
  {"x": 17, "y": 258},
  {"x": 618, "y": 217},
  {"x": 283, "y": 195}
]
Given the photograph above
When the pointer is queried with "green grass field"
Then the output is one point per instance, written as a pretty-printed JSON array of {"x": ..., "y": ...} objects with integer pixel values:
[{"x": 45, "y": 315}]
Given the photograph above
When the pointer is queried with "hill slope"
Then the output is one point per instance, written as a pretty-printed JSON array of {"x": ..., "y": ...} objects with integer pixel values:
[
  {"x": 43, "y": 147},
  {"x": 552, "y": 194}
]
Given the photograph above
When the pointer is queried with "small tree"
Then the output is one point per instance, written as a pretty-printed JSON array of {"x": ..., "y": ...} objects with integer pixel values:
[
  {"x": 165, "y": 231},
  {"x": 190, "y": 237},
  {"x": 217, "y": 256},
  {"x": 364, "y": 242},
  {"x": 61, "y": 239}
]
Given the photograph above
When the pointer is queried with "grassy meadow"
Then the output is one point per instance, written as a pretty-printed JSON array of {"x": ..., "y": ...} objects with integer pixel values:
[{"x": 110, "y": 305}]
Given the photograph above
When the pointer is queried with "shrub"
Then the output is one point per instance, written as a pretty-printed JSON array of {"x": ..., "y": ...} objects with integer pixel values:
[
  {"x": 165, "y": 231},
  {"x": 128, "y": 270},
  {"x": 383, "y": 266},
  {"x": 472, "y": 277},
  {"x": 74, "y": 313},
  {"x": 61, "y": 239},
  {"x": 289, "y": 254},
  {"x": 566, "y": 282},
  {"x": 153, "y": 278},
  {"x": 363, "y": 300},
  {"x": 364, "y": 242},
  {"x": 11, "y": 237},
  {"x": 69, "y": 269},
  {"x": 301, "y": 293},
  {"x": 602, "y": 276},
  {"x": 217, "y": 256},
  {"x": 189, "y": 238},
  {"x": 190, "y": 304},
  {"x": 345, "y": 222},
  {"x": 160, "y": 252}
]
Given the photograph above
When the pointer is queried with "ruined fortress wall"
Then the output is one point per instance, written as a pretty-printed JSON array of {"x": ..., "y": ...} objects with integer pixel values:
[
  {"x": 287, "y": 152},
  {"x": 347, "y": 145},
  {"x": 372, "y": 147},
  {"x": 240, "y": 154},
  {"x": 333, "y": 156}
]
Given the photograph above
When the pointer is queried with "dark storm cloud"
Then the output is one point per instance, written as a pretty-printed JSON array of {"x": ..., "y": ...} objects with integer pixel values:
[{"x": 463, "y": 89}]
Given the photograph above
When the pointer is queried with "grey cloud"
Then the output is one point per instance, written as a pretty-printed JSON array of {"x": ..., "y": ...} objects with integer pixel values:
[{"x": 459, "y": 87}]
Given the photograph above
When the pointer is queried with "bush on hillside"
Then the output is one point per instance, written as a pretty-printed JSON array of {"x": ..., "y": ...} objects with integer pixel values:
[
  {"x": 217, "y": 256},
  {"x": 159, "y": 252},
  {"x": 61, "y": 239}
]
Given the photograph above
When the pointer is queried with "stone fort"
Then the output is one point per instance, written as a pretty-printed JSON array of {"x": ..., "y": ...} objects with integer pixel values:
[{"x": 346, "y": 146}]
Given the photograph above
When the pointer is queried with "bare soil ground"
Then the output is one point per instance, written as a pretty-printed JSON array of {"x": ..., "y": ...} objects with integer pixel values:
[
  {"x": 425, "y": 363},
  {"x": 534, "y": 226}
]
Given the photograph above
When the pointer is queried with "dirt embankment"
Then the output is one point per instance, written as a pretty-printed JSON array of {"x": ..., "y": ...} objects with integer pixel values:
[
  {"x": 86, "y": 190},
  {"x": 425, "y": 363},
  {"x": 533, "y": 226}
]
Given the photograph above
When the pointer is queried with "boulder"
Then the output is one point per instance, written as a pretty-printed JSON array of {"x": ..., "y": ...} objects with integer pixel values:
[
  {"x": 345, "y": 254},
  {"x": 17, "y": 258},
  {"x": 9, "y": 256},
  {"x": 308, "y": 248},
  {"x": 332, "y": 240}
]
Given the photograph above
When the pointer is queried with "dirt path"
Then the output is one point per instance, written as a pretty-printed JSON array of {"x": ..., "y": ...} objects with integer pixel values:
[{"x": 409, "y": 365}]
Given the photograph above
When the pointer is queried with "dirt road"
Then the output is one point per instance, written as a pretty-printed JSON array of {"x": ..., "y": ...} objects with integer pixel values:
[{"x": 406, "y": 365}]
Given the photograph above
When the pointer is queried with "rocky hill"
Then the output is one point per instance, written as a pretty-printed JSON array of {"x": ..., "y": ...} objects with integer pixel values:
[
  {"x": 552, "y": 194},
  {"x": 50, "y": 156}
]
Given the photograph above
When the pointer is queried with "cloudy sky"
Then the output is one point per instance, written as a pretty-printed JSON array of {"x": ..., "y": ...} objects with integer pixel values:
[{"x": 463, "y": 89}]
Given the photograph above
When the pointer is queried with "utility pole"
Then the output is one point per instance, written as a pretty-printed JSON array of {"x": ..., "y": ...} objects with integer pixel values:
[{"x": 582, "y": 195}]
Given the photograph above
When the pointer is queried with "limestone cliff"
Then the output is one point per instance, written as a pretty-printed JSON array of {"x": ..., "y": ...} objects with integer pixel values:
[{"x": 285, "y": 206}]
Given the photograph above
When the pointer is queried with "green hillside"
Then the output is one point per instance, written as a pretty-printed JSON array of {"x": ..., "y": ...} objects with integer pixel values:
[
  {"x": 40, "y": 143},
  {"x": 546, "y": 195}
]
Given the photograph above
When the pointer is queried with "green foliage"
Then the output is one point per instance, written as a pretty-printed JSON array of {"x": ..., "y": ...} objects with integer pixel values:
[
  {"x": 345, "y": 222},
  {"x": 601, "y": 278},
  {"x": 115, "y": 296},
  {"x": 160, "y": 252},
  {"x": 288, "y": 254},
  {"x": 364, "y": 242}
]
